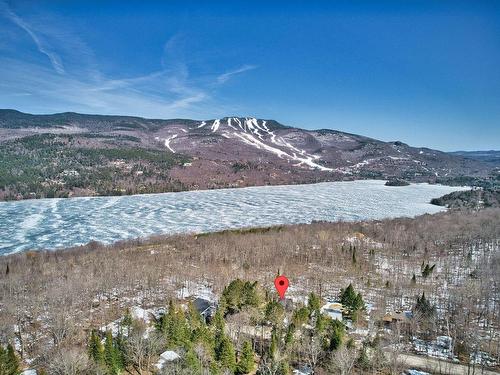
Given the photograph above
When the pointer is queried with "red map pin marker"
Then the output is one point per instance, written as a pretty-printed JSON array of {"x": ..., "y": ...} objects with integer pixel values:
[{"x": 281, "y": 284}]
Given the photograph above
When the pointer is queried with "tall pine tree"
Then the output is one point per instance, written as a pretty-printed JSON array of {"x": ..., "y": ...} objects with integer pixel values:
[
  {"x": 12, "y": 361},
  {"x": 111, "y": 355},
  {"x": 95, "y": 349},
  {"x": 192, "y": 363},
  {"x": 9, "y": 363},
  {"x": 226, "y": 354},
  {"x": 247, "y": 362}
]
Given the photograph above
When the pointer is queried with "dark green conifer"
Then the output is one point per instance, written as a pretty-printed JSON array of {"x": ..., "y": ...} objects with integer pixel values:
[
  {"x": 226, "y": 355},
  {"x": 95, "y": 348},
  {"x": 314, "y": 304},
  {"x": 192, "y": 363},
  {"x": 247, "y": 360},
  {"x": 11, "y": 361},
  {"x": 336, "y": 332},
  {"x": 111, "y": 355}
]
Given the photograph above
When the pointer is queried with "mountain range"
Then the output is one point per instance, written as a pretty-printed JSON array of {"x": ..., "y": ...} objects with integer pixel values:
[{"x": 78, "y": 154}]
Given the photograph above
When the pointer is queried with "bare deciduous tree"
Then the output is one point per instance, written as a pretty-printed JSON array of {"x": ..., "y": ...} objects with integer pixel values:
[{"x": 342, "y": 360}]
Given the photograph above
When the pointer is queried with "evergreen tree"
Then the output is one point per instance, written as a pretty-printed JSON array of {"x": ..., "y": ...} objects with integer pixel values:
[
  {"x": 284, "y": 368},
  {"x": 121, "y": 351},
  {"x": 219, "y": 330},
  {"x": 214, "y": 368},
  {"x": 336, "y": 332},
  {"x": 300, "y": 316},
  {"x": 9, "y": 363},
  {"x": 424, "y": 307},
  {"x": 413, "y": 279},
  {"x": 314, "y": 304},
  {"x": 289, "y": 336},
  {"x": 239, "y": 294},
  {"x": 352, "y": 301},
  {"x": 426, "y": 271},
  {"x": 174, "y": 327},
  {"x": 273, "y": 347},
  {"x": 226, "y": 355},
  {"x": 192, "y": 363},
  {"x": 112, "y": 358},
  {"x": 321, "y": 323},
  {"x": 194, "y": 318},
  {"x": 247, "y": 361},
  {"x": 3, "y": 360},
  {"x": 274, "y": 313},
  {"x": 127, "y": 320},
  {"x": 95, "y": 349},
  {"x": 350, "y": 343},
  {"x": 363, "y": 361},
  {"x": 204, "y": 336},
  {"x": 250, "y": 294},
  {"x": 231, "y": 299}
]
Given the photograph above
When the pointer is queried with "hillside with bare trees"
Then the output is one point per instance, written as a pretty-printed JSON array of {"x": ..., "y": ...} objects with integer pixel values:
[{"x": 443, "y": 268}]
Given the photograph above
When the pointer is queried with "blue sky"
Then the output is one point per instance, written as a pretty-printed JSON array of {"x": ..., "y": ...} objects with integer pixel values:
[{"x": 424, "y": 72}]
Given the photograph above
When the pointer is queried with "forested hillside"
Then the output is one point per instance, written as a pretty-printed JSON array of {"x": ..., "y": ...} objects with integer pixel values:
[
  {"x": 362, "y": 295},
  {"x": 49, "y": 165}
]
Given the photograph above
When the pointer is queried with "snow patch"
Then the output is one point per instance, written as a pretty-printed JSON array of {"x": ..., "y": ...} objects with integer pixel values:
[
  {"x": 167, "y": 142},
  {"x": 197, "y": 290},
  {"x": 215, "y": 125}
]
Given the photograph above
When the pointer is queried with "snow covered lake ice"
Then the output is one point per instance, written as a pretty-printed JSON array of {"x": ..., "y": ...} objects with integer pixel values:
[{"x": 59, "y": 223}]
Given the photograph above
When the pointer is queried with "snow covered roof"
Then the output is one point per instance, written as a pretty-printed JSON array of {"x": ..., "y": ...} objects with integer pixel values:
[
  {"x": 416, "y": 372},
  {"x": 165, "y": 357},
  {"x": 169, "y": 355},
  {"x": 304, "y": 370},
  {"x": 333, "y": 310}
]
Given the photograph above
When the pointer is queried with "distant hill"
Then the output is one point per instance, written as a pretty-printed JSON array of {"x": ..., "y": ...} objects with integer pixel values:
[
  {"x": 492, "y": 156},
  {"x": 77, "y": 154},
  {"x": 475, "y": 199}
]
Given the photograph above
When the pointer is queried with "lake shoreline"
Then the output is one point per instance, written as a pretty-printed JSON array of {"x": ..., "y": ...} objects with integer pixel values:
[
  {"x": 62, "y": 223},
  {"x": 321, "y": 181}
]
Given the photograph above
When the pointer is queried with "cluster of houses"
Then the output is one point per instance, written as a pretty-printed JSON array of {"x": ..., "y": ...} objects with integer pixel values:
[{"x": 206, "y": 305}]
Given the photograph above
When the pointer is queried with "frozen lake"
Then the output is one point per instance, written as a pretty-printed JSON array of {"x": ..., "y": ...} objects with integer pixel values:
[{"x": 58, "y": 223}]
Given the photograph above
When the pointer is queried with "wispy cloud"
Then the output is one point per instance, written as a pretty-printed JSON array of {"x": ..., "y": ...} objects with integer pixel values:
[
  {"x": 42, "y": 46},
  {"x": 79, "y": 85},
  {"x": 223, "y": 78},
  {"x": 155, "y": 95}
]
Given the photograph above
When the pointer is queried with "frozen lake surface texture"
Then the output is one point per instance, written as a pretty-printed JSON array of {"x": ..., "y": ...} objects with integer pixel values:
[{"x": 58, "y": 223}]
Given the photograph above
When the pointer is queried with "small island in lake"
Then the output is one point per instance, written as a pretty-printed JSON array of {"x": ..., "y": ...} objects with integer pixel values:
[{"x": 397, "y": 182}]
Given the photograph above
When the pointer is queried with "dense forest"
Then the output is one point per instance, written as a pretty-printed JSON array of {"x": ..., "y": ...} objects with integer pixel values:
[{"x": 49, "y": 166}]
